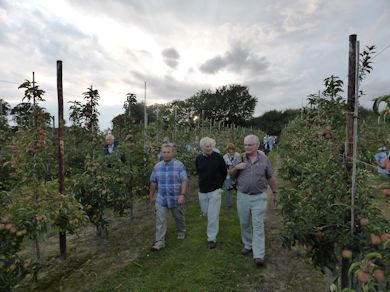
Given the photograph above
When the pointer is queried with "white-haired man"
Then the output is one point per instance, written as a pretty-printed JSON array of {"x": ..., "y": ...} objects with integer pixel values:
[
  {"x": 211, "y": 170},
  {"x": 111, "y": 144},
  {"x": 253, "y": 173}
]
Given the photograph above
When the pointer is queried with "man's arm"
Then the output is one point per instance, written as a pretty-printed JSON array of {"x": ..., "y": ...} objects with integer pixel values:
[
  {"x": 196, "y": 165},
  {"x": 234, "y": 170},
  {"x": 152, "y": 191},
  {"x": 381, "y": 165},
  {"x": 183, "y": 187},
  {"x": 223, "y": 167},
  {"x": 182, "y": 198},
  {"x": 273, "y": 185},
  {"x": 274, "y": 188}
]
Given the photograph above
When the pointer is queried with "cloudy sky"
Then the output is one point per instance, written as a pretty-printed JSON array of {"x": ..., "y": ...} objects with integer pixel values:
[{"x": 281, "y": 49}]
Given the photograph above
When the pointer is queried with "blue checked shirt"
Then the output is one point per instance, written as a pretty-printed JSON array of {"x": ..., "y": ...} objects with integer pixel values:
[{"x": 169, "y": 177}]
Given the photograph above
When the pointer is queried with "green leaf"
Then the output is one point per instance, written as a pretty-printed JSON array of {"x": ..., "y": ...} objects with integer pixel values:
[
  {"x": 373, "y": 255},
  {"x": 353, "y": 267},
  {"x": 333, "y": 288}
]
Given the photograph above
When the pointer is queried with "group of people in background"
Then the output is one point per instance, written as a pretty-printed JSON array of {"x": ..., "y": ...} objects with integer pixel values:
[
  {"x": 382, "y": 160},
  {"x": 249, "y": 173},
  {"x": 269, "y": 142}
]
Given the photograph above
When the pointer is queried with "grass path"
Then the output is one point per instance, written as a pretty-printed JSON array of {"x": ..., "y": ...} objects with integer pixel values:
[{"x": 189, "y": 266}]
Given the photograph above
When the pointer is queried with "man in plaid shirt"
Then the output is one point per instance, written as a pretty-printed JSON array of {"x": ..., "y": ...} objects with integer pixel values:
[{"x": 169, "y": 178}]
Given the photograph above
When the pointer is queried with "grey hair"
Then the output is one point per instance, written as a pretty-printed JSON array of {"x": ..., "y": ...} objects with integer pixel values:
[
  {"x": 168, "y": 145},
  {"x": 206, "y": 141},
  {"x": 254, "y": 138},
  {"x": 109, "y": 135}
]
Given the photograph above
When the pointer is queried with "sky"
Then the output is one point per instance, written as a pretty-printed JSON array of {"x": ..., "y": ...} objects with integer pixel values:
[{"x": 281, "y": 50}]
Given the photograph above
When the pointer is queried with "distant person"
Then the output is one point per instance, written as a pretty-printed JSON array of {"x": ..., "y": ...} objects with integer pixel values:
[
  {"x": 266, "y": 146},
  {"x": 169, "y": 178},
  {"x": 253, "y": 172},
  {"x": 229, "y": 158},
  {"x": 381, "y": 157},
  {"x": 111, "y": 144},
  {"x": 276, "y": 142},
  {"x": 211, "y": 170},
  {"x": 189, "y": 148},
  {"x": 265, "y": 141},
  {"x": 270, "y": 142}
]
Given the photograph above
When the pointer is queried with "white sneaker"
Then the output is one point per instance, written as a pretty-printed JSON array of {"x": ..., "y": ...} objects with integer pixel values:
[{"x": 181, "y": 235}]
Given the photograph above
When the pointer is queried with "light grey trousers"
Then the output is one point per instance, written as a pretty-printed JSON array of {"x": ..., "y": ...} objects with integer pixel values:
[
  {"x": 251, "y": 211},
  {"x": 210, "y": 203},
  {"x": 161, "y": 222}
]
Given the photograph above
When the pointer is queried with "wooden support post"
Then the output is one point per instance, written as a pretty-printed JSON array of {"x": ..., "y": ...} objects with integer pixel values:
[
  {"x": 349, "y": 134},
  {"x": 61, "y": 178},
  {"x": 350, "y": 100}
]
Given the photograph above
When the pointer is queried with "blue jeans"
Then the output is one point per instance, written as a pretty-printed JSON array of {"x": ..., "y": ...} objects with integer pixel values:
[
  {"x": 210, "y": 203},
  {"x": 251, "y": 210},
  {"x": 229, "y": 182}
]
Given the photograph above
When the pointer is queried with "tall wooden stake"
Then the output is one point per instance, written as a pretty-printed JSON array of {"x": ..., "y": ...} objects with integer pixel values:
[
  {"x": 61, "y": 179},
  {"x": 351, "y": 100},
  {"x": 355, "y": 137},
  {"x": 34, "y": 109},
  {"x": 145, "y": 113},
  {"x": 349, "y": 133}
]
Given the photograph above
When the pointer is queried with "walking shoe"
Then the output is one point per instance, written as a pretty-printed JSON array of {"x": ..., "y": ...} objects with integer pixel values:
[
  {"x": 211, "y": 244},
  {"x": 259, "y": 262},
  {"x": 156, "y": 247},
  {"x": 246, "y": 251},
  {"x": 181, "y": 235}
]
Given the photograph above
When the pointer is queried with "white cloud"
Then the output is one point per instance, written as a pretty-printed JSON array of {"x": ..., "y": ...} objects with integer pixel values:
[{"x": 281, "y": 49}]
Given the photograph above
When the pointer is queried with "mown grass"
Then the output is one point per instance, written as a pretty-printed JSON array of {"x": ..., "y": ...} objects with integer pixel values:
[{"x": 188, "y": 265}]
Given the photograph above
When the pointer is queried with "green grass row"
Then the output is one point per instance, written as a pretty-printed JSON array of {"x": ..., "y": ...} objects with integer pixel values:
[{"x": 188, "y": 265}]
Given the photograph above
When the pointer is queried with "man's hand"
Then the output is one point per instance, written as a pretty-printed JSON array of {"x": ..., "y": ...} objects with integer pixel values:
[
  {"x": 240, "y": 166},
  {"x": 181, "y": 200},
  {"x": 152, "y": 198},
  {"x": 275, "y": 199}
]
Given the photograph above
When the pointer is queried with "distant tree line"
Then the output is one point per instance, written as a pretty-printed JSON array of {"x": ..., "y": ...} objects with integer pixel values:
[
  {"x": 228, "y": 104},
  {"x": 274, "y": 121}
]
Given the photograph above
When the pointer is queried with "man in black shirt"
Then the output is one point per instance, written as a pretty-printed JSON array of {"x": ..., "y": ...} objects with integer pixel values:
[{"x": 211, "y": 170}]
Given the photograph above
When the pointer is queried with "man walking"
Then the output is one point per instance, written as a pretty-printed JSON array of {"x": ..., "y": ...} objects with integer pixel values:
[
  {"x": 253, "y": 173},
  {"x": 211, "y": 170},
  {"x": 169, "y": 178}
]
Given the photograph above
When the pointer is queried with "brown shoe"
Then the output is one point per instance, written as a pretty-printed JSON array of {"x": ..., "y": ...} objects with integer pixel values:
[
  {"x": 246, "y": 251},
  {"x": 211, "y": 244},
  {"x": 259, "y": 262}
]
